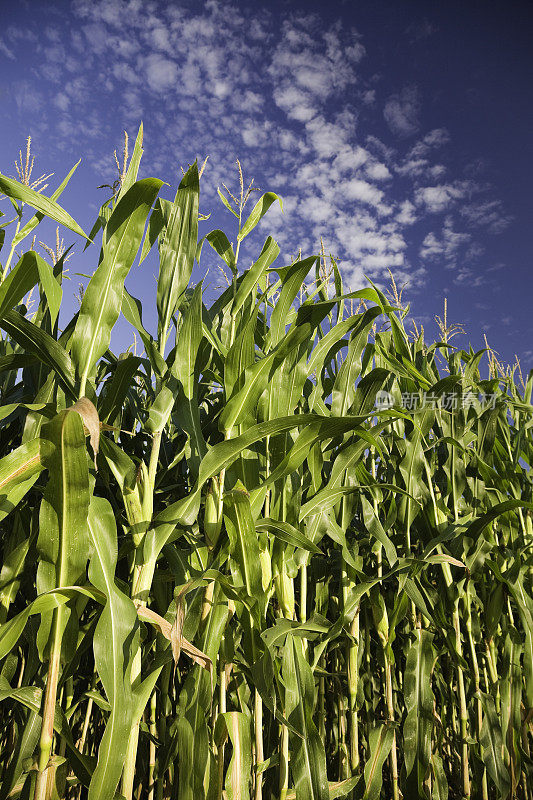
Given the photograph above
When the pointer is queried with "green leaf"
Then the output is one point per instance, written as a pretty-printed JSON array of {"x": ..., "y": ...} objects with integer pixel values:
[
  {"x": 253, "y": 276},
  {"x": 244, "y": 544},
  {"x": 113, "y": 650},
  {"x": 328, "y": 498},
  {"x": 102, "y": 300},
  {"x": 308, "y": 758},
  {"x": 112, "y": 402},
  {"x": 239, "y": 771},
  {"x": 48, "y": 207},
  {"x": 185, "y": 511},
  {"x": 221, "y": 245},
  {"x": 440, "y": 783},
  {"x": 380, "y": 743},
  {"x": 35, "y": 340},
  {"x": 475, "y": 528},
  {"x": 292, "y": 278},
  {"x": 227, "y": 203},
  {"x": 39, "y": 216},
  {"x": 492, "y": 743},
  {"x": 132, "y": 311},
  {"x": 287, "y": 533},
  {"x": 27, "y": 739},
  {"x": 180, "y": 386},
  {"x": 418, "y": 725},
  {"x": 28, "y": 271},
  {"x": 325, "y": 345},
  {"x": 62, "y": 543},
  {"x": 325, "y": 428},
  {"x": 177, "y": 247},
  {"x": 11, "y": 631},
  {"x": 254, "y": 379},
  {"x": 375, "y": 529},
  {"x": 133, "y": 166},
  {"x": 155, "y": 225},
  {"x": 258, "y": 212},
  {"x": 18, "y": 472},
  {"x": 14, "y": 559}
]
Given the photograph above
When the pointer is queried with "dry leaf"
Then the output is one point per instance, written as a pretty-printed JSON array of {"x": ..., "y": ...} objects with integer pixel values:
[
  {"x": 168, "y": 632},
  {"x": 89, "y": 415}
]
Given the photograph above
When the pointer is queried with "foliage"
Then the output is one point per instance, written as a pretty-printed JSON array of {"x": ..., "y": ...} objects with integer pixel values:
[{"x": 226, "y": 568}]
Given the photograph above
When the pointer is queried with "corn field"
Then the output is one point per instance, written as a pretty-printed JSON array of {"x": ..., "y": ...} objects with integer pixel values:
[{"x": 283, "y": 553}]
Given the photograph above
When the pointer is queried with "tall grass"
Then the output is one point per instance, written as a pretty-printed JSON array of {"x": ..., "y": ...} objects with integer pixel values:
[{"x": 233, "y": 566}]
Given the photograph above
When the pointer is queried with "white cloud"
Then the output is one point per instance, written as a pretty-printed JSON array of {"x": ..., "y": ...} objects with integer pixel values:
[
  {"x": 379, "y": 148},
  {"x": 377, "y": 171},
  {"x": 291, "y": 100},
  {"x": 356, "y": 189},
  {"x": 61, "y": 101},
  {"x": 350, "y": 158},
  {"x": 53, "y": 34},
  {"x": 487, "y": 214},
  {"x": 439, "y": 198},
  {"x": 161, "y": 73},
  {"x": 6, "y": 50},
  {"x": 253, "y": 134},
  {"x": 406, "y": 214},
  {"x": 437, "y": 137},
  {"x": 250, "y": 102},
  {"x": 421, "y": 29},
  {"x": 402, "y": 111},
  {"x": 96, "y": 37},
  {"x": 160, "y": 39},
  {"x": 326, "y": 138},
  {"x": 29, "y": 100},
  {"x": 448, "y": 246},
  {"x": 297, "y": 105},
  {"x": 318, "y": 210}
]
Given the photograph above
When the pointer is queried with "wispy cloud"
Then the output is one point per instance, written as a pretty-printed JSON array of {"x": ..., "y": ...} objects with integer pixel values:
[
  {"x": 294, "y": 101},
  {"x": 6, "y": 50},
  {"x": 488, "y": 214},
  {"x": 402, "y": 112},
  {"x": 436, "y": 199},
  {"x": 422, "y": 29}
]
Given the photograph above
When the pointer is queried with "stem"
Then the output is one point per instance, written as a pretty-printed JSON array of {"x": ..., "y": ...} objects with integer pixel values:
[
  {"x": 284, "y": 764},
  {"x": 353, "y": 683},
  {"x": 12, "y": 250},
  {"x": 85, "y": 728},
  {"x": 390, "y": 716},
  {"x": 162, "y": 723},
  {"x": 462, "y": 706},
  {"x": 47, "y": 727},
  {"x": 143, "y": 573},
  {"x": 140, "y": 589},
  {"x": 152, "y": 759},
  {"x": 285, "y": 594},
  {"x": 221, "y": 710},
  {"x": 303, "y": 602},
  {"x": 259, "y": 752},
  {"x": 344, "y": 767},
  {"x": 128, "y": 775},
  {"x": 475, "y": 669},
  {"x": 303, "y": 595},
  {"x": 322, "y": 702},
  {"x": 154, "y": 458},
  {"x": 352, "y": 662}
]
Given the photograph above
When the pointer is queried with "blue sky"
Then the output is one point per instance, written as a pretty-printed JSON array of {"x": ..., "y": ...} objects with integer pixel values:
[{"x": 400, "y": 132}]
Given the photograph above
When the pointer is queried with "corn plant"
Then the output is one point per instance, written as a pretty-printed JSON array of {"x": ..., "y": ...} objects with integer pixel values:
[{"x": 283, "y": 553}]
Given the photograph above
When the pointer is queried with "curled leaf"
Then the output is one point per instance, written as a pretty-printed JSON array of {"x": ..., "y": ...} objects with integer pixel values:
[
  {"x": 173, "y": 634},
  {"x": 91, "y": 421}
]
